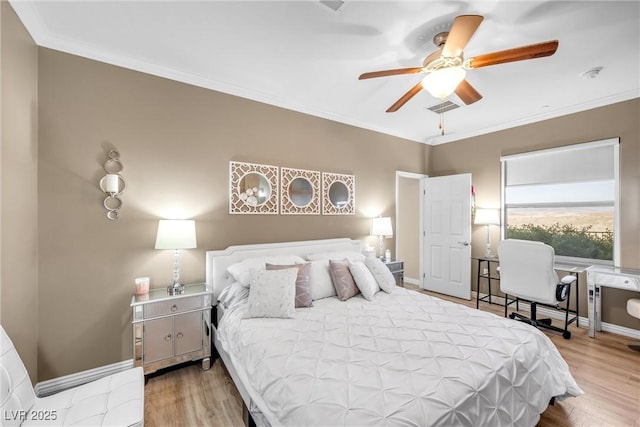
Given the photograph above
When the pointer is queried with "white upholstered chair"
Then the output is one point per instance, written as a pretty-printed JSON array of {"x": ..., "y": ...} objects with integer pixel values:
[
  {"x": 527, "y": 273},
  {"x": 633, "y": 308},
  {"x": 114, "y": 400}
]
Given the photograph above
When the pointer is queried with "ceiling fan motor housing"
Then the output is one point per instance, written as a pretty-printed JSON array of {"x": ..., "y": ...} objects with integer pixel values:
[{"x": 440, "y": 39}]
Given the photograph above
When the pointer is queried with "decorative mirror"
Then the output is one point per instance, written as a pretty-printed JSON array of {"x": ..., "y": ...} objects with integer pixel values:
[
  {"x": 338, "y": 194},
  {"x": 253, "y": 188},
  {"x": 299, "y": 192}
]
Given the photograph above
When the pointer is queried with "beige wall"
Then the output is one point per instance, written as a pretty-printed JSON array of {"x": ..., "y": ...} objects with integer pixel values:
[
  {"x": 18, "y": 191},
  {"x": 175, "y": 142},
  {"x": 408, "y": 228},
  {"x": 480, "y": 156}
]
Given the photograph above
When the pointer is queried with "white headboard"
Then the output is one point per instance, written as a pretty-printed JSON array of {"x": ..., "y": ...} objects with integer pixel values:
[{"x": 218, "y": 261}]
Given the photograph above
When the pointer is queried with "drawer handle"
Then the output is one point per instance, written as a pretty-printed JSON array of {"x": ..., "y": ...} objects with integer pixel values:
[
  {"x": 179, "y": 335},
  {"x": 174, "y": 307},
  {"x": 168, "y": 337}
]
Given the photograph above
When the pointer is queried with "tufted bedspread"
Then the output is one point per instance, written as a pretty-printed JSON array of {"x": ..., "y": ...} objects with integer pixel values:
[{"x": 403, "y": 359}]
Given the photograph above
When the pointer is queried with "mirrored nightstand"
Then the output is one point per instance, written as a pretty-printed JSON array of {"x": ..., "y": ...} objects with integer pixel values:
[
  {"x": 396, "y": 266},
  {"x": 172, "y": 329}
]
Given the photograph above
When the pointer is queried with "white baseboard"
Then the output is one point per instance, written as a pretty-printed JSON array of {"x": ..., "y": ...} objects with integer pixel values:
[
  {"x": 412, "y": 281},
  {"x": 56, "y": 385},
  {"x": 584, "y": 321}
]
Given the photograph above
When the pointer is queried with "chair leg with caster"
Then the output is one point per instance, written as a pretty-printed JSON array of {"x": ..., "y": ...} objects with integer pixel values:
[{"x": 634, "y": 345}]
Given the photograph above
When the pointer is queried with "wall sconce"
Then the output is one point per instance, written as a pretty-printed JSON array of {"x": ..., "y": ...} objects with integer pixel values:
[
  {"x": 487, "y": 217},
  {"x": 382, "y": 228},
  {"x": 113, "y": 184},
  {"x": 176, "y": 234}
]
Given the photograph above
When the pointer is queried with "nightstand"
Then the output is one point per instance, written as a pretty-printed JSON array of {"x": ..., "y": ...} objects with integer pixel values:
[
  {"x": 396, "y": 266},
  {"x": 172, "y": 329}
]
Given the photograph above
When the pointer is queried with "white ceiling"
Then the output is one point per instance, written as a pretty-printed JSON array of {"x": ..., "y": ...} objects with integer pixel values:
[{"x": 304, "y": 56}]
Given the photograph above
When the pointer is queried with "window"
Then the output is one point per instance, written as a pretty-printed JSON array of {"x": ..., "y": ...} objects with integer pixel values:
[{"x": 566, "y": 197}]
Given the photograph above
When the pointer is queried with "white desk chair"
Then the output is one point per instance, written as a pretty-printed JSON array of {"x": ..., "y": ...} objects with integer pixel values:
[
  {"x": 633, "y": 308},
  {"x": 527, "y": 273}
]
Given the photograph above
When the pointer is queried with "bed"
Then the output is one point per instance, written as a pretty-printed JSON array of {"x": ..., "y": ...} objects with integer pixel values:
[{"x": 402, "y": 358}]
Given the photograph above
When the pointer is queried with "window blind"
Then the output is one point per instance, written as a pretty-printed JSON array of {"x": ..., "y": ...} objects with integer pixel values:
[{"x": 591, "y": 161}]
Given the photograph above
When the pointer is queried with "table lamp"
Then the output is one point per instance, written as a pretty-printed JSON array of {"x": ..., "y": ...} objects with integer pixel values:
[
  {"x": 382, "y": 228},
  {"x": 487, "y": 217},
  {"x": 176, "y": 234}
]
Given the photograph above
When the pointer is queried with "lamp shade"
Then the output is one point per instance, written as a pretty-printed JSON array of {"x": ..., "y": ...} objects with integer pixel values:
[
  {"x": 176, "y": 234},
  {"x": 442, "y": 82},
  {"x": 487, "y": 217},
  {"x": 381, "y": 226}
]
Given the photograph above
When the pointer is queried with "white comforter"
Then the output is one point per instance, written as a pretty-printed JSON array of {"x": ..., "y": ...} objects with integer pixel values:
[{"x": 403, "y": 359}]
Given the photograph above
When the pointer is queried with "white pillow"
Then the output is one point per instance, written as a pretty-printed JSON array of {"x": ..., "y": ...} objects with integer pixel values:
[
  {"x": 241, "y": 270},
  {"x": 233, "y": 294},
  {"x": 273, "y": 293},
  {"x": 381, "y": 273},
  {"x": 320, "y": 280},
  {"x": 337, "y": 255},
  {"x": 364, "y": 280}
]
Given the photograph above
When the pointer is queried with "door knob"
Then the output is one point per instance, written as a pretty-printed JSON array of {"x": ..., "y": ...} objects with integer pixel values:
[{"x": 464, "y": 243}]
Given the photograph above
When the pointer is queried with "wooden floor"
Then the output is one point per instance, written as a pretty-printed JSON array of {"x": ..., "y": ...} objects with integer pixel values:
[{"x": 605, "y": 368}]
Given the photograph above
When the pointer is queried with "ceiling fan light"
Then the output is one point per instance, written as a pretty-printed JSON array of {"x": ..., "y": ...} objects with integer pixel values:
[{"x": 443, "y": 82}]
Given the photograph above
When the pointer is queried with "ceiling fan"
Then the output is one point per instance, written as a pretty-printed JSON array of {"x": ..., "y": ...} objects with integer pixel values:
[{"x": 445, "y": 69}]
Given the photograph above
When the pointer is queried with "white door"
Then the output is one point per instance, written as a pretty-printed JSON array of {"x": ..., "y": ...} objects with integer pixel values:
[{"x": 447, "y": 242}]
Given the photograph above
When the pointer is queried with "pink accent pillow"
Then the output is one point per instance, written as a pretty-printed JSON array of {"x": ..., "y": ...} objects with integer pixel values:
[
  {"x": 342, "y": 279},
  {"x": 303, "y": 284}
]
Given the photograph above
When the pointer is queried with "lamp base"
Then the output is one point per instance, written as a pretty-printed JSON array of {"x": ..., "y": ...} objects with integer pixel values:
[
  {"x": 488, "y": 253},
  {"x": 175, "y": 289}
]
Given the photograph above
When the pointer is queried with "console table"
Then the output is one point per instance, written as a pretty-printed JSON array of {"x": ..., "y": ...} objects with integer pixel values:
[
  {"x": 612, "y": 277},
  {"x": 486, "y": 273}
]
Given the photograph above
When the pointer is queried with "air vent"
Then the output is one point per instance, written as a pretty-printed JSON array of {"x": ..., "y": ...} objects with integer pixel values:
[
  {"x": 443, "y": 107},
  {"x": 336, "y": 6}
]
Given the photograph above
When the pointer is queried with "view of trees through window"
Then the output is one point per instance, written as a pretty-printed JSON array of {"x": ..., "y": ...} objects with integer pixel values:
[{"x": 582, "y": 232}]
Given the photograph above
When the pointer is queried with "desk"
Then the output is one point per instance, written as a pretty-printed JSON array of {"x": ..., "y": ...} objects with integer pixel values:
[
  {"x": 612, "y": 277},
  {"x": 575, "y": 270}
]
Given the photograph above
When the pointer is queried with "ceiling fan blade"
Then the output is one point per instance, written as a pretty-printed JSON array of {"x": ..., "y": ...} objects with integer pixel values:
[
  {"x": 538, "y": 50},
  {"x": 463, "y": 28},
  {"x": 407, "y": 96},
  {"x": 395, "y": 72},
  {"x": 467, "y": 93}
]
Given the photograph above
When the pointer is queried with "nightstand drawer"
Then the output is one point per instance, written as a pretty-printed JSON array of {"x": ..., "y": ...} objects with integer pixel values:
[{"x": 173, "y": 306}]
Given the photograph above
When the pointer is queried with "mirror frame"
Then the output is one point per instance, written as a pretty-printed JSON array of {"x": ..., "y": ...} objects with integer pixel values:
[
  {"x": 287, "y": 207},
  {"x": 237, "y": 171},
  {"x": 350, "y": 182}
]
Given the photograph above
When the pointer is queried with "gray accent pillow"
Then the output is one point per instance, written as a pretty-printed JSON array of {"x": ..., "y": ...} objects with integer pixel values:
[
  {"x": 382, "y": 274},
  {"x": 241, "y": 270},
  {"x": 342, "y": 279},
  {"x": 272, "y": 293},
  {"x": 303, "y": 284}
]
